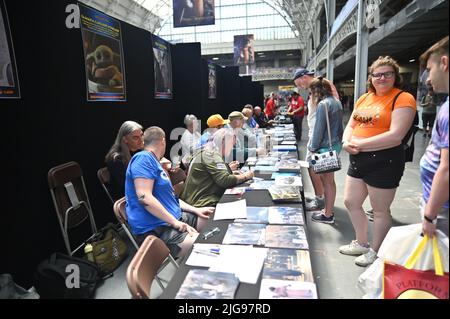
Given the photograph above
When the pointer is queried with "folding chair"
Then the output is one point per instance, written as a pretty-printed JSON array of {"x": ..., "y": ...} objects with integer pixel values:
[
  {"x": 145, "y": 266},
  {"x": 121, "y": 215},
  {"x": 105, "y": 179},
  {"x": 71, "y": 200}
]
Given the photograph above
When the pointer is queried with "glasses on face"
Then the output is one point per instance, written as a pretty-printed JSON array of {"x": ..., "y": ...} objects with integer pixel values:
[{"x": 387, "y": 75}]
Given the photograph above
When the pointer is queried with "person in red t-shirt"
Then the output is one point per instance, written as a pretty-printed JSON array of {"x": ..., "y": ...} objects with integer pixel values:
[
  {"x": 271, "y": 107},
  {"x": 297, "y": 111}
]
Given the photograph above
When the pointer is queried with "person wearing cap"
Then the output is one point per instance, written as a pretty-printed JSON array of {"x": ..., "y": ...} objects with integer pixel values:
[
  {"x": 209, "y": 175},
  {"x": 297, "y": 111},
  {"x": 303, "y": 79},
  {"x": 214, "y": 122},
  {"x": 246, "y": 141}
]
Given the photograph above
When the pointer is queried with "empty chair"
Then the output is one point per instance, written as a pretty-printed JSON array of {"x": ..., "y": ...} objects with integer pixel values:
[
  {"x": 71, "y": 200},
  {"x": 145, "y": 265},
  {"x": 105, "y": 179}
]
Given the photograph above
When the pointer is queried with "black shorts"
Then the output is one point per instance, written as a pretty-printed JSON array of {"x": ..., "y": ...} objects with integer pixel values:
[
  {"x": 380, "y": 169},
  {"x": 171, "y": 236}
]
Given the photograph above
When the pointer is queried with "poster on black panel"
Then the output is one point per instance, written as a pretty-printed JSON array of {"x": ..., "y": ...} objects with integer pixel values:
[
  {"x": 188, "y": 13},
  {"x": 244, "y": 53},
  {"x": 9, "y": 80},
  {"x": 103, "y": 53},
  {"x": 163, "y": 68},
  {"x": 212, "y": 81}
]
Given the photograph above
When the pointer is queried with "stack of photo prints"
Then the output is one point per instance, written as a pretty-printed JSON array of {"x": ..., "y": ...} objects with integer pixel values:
[{"x": 205, "y": 284}]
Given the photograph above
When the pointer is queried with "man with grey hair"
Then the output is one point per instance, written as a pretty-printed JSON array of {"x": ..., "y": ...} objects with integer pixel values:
[
  {"x": 190, "y": 138},
  {"x": 209, "y": 175},
  {"x": 246, "y": 141},
  {"x": 261, "y": 118},
  {"x": 250, "y": 123},
  {"x": 152, "y": 207}
]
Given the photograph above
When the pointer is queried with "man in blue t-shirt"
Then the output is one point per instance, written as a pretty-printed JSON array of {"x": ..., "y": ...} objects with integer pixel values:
[
  {"x": 152, "y": 208},
  {"x": 434, "y": 163}
]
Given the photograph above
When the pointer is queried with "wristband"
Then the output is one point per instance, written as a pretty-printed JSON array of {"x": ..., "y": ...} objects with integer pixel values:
[{"x": 431, "y": 221}]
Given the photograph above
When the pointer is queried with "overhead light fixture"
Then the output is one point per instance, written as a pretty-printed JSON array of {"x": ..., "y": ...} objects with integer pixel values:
[
  {"x": 352, "y": 80},
  {"x": 289, "y": 54},
  {"x": 215, "y": 59},
  {"x": 412, "y": 60}
]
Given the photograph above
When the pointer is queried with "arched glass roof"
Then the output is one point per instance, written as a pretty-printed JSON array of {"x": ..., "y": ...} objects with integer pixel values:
[{"x": 266, "y": 19}]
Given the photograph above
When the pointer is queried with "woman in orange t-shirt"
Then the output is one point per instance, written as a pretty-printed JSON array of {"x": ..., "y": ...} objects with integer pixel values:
[{"x": 373, "y": 138}]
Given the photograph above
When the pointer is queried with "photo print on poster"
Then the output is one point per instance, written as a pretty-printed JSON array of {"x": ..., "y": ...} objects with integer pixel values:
[
  {"x": 244, "y": 53},
  {"x": 9, "y": 80},
  {"x": 163, "y": 68},
  {"x": 103, "y": 53},
  {"x": 188, "y": 13},
  {"x": 212, "y": 81}
]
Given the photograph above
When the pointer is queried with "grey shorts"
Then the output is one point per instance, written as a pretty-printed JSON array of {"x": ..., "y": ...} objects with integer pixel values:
[{"x": 169, "y": 235}]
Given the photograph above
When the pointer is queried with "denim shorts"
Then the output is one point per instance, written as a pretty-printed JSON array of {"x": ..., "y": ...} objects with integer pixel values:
[
  {"x": 381, "y": 169},
  {"x": 169, "y": 235}
]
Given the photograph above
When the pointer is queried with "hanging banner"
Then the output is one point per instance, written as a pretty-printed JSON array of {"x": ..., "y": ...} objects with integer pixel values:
[
  {"x": 103, "y": 53},
  {"x": 244, "y": 53},
  {"x": 9, "y": 80},
  {"x": 187, "y": 13},
  {"x": 212, "y": 81},
  {"x": 163, "y": 68}
]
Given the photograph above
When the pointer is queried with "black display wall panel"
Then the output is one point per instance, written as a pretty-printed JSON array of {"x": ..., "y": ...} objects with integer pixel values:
[
  {"x": 257, "y": 94},
  {"x": 211, "y": 106},
  {"x": 53, "y": 123},
  {"x": 231, "y": 91}
]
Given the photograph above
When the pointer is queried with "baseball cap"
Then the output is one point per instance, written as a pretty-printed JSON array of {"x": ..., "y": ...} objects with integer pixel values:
[
  {"x": 236, "y": 116},
  {"x": 301, "y": 72},
  {"x": 216, "y": 120},
  {"x": 295, "y": 90}
]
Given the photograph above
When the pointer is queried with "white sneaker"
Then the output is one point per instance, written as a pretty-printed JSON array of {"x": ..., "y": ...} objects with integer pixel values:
[
  {"x": 353, "y": 249},
  {"x": 366, "y": 259}
]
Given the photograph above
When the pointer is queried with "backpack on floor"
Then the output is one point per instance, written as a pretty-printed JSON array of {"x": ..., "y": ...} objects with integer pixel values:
[{"x": 65, "y": 277}]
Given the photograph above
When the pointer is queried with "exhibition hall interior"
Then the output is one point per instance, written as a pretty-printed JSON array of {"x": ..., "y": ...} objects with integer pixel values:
[{"x": 224, "y": 149}]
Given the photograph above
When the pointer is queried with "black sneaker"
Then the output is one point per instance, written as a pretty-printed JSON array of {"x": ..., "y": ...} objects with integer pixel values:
[{"x": 321, "y": 218}]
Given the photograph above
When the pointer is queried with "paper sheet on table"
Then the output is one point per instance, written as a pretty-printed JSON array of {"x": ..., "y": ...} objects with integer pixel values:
[
  {"x": 231, "y": 210},
  {"x": 200, "y": 257},
  {"x": 304, "y": 164},
  {"x": 264, "y": 168},
  {"x": 245, "y": 262}
]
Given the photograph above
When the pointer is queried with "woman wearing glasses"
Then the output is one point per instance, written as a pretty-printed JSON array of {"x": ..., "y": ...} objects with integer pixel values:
[{"x": 373, "y": 138}]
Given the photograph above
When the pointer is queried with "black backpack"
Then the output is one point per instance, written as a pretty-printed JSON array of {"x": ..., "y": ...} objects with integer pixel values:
[
  {"x": 52, "y": 279},
  {"x": 408, "y": 140}
]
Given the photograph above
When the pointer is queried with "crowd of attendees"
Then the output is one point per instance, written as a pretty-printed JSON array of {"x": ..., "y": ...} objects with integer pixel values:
[{"x": 372, "y": 138}]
